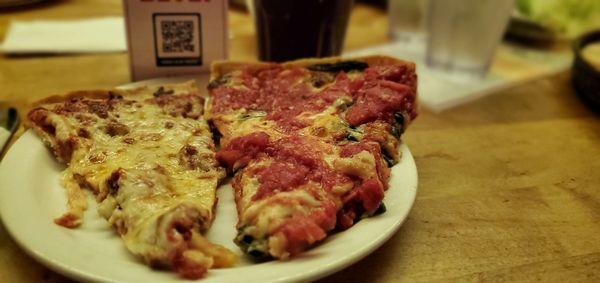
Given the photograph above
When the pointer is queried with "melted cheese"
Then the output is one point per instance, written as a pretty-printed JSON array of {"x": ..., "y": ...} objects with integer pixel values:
[
  {"x": 361, "y": 165},
  {"x": 328, "y": 123},
  {"x": 150, "y": 171},
  {"x": 241, "y": 122}
]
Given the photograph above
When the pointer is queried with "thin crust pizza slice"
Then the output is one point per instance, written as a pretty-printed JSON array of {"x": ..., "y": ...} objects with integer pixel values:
[
  {"x": 310, "y": 144},
  {"x": 148, "y": 156}
]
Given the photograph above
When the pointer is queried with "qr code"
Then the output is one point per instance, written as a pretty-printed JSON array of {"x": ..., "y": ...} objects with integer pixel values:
[
  {"x": 178, "y": 36},
  {"x": 178, "y": 39}
]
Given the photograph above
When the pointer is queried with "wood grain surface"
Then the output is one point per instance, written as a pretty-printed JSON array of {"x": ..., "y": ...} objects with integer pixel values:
[{"x": 509, "y": 185}]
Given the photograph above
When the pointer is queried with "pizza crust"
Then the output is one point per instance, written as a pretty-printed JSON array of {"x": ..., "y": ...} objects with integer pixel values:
[
  {"x": 218, "y": 68},
  {"x": 189, "y": 86}
]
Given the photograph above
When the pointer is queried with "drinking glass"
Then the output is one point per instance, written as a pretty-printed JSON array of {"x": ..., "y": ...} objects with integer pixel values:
[
  {"x": 293, "y": 29},
  {"x": 407, "y": 20},
  {"x": 463, "y": 34}
]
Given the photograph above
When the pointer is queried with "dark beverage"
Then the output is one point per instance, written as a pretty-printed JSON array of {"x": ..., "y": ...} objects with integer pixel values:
[{"x": 292, "y": 29}]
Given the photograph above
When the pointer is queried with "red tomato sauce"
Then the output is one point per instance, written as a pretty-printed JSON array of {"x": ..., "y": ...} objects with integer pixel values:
[
  {"x": 377, "y": 100},
  {"x": 285, "y": 93},
  {"x": 296, "y": 160},
  {"x": 241, "y": 150},
  {"x": 365, "y": 197},
  {"x": 377, "y": 94},
  {"x": 301, "y": 231}
]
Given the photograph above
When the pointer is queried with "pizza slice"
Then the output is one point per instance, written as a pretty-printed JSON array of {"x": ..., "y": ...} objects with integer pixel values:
[
  {"x": 309, "y": 143},
  {"x": 148, "y": 156}
]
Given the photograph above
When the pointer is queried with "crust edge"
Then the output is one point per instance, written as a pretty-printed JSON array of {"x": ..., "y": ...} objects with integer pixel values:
[
  {"x": 219, "y": 68},
  {"x": 106, "y": 93}
]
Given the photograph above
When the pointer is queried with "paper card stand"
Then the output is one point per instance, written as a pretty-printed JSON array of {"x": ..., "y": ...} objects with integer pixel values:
[{"x": 178, "y": 37}]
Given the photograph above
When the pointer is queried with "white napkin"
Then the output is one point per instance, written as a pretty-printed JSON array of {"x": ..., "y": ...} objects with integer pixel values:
[
  {"x": 439, "y": 91},
  {"x": 66, "y": 36}
]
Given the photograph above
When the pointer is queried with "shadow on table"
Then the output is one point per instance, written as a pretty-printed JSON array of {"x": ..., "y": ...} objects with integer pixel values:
[
  {"x": 382, "y": 265},
  {"x": 33, "y": 5}
]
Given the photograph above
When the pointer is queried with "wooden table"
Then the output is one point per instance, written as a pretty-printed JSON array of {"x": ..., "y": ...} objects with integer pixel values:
[{"x": 509, "y": 185}]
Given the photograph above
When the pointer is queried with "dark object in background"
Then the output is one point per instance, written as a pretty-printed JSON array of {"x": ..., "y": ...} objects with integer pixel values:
[
  {"x": 382, "y": 4},
  {"x": 586, "y": 77},
  {"x": 9, "y": 120},
  {"x": 238, "y": 4},
  {"x": 529, "y": 32},
  {"x": 345, "y": 66},
  {"x": 17, "y": 3},
  {"x": 294, "y": 29}
]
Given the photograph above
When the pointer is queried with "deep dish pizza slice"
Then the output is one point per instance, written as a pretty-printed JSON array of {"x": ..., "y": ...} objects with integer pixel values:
[
  {"x": 309, "y": 143},
  {"x": 148, "y": 156}
]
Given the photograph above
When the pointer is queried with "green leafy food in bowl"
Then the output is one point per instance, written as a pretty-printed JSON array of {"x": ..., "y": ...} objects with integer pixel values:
[{"x": 567, "y": 18}]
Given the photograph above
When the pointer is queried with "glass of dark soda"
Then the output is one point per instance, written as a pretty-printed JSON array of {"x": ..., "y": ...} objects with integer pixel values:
[{"x": 293, "y": 29}]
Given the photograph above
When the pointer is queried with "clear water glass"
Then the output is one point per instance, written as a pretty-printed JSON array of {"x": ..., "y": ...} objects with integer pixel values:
[
  {"x": 463, "y": 34},
  {"x": 407, "y": 21}
]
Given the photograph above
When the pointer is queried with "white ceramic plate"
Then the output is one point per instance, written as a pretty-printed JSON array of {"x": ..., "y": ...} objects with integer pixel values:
[{"x": 31, "y": 197}]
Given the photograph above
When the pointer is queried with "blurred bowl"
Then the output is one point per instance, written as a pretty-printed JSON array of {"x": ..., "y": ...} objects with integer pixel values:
[
  {"x": 586, "y": 74},
  {"x": 525, "y": 30}
]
